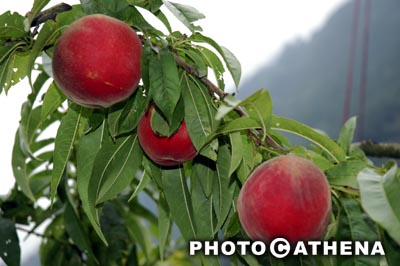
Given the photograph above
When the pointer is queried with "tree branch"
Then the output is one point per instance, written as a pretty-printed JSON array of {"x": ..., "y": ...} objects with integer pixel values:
[{"x": 391, "y": 150}]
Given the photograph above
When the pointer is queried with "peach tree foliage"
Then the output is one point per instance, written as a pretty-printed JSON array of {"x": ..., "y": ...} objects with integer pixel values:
[{"x": 111, "y": 205}]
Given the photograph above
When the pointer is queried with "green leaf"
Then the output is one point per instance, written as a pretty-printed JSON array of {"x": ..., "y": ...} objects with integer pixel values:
[
  {"x": 10, "y": 251},
  {"x": 115, "y": 167},
  {"x": 227, "y": 105},
  {"x": 203, "y": 216},
  {"x": 13, "y": 69},
  {"x": 66, "y": 18},
  {"x": 297, "y": 128},
  {"x": 204, "y": 169},
  {"x": 19, "y": 167},
  {"x": 239, "y": 124},
  {"x": 164, "y": 224},
  {"x": 159, "y": 124},
  {"x": 46, "y": 36},
  {"x": 347, "y": 134},
  {"x": 259, "y": 107},
  {"x": 196, "y": 60},
  {"x": 144, "y": 181},
  {"x": 345, "y": 173},
  {"x": 134, "y": 18},
  {"x": 164, "y": 82},
  {"x": 231, "y": 61},
  {"x": 379, "y": 198},
  {"x": 233, "y": 65},
  {"x": 53, "y": 98},
  {"x": 116, "y": 8},
  {"x": 131, "y": 115},
  {"x": 213, "y": 61},
  {"x": 153, "y": 170},
  {"x": 151, "y": 5},
  {"x": 11, "y": 26},
  {"x": 76, "y": 231},
  {"x": 186, "y": 14},
  {"x": 29, "y": 123},
  {"x": 236, "y": 154},
  {"x": 223, "y": 187},
  {"x": 199, "y": 111},
  {"x": 248, "y": 157},
  {"x": 355, "y": 226},
  {"x": 322, "y": 162},
  {"x": 89, "y": 145},
  {"x": 179, "y": 201},
  {"x": 66, "y": 134}
]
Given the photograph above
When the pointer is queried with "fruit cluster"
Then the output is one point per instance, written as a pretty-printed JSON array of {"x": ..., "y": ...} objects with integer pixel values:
[{"x": 96, "y": 63}]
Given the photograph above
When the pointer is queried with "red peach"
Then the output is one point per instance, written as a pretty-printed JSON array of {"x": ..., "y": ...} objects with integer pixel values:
[
  {"x": 96, "y": 61},
  {"x": 287, "y": 196}
]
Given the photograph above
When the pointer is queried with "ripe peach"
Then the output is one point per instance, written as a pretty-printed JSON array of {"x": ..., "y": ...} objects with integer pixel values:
[
  {"x": 167, "y": 151},
  {"x": 96, "y": 61},
  {"x": 287, "y": 196}
]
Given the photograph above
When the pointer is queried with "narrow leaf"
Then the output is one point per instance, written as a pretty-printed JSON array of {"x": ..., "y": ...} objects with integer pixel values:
[
  {"x": 231, "y": 61},
  {"x": 297, "y": 128},
  {"x": 46, "y": 35},
  {"x": 19, "y": 168},
  {"x": 164, "y": 225},
  {"x": 347, "y": 134},
  {"x": 89, "y": 145},
  {"x": 186, "y": 14},
  {"x": 199, "y": 112},
  {"x": 248, "y": 157},
  {"x": 239, "y": 124},
  {"x": 259, "y": 107},
  {"x": 53, "y": 98},
  {"x": 144, "y": 181},
  {"x": 179, "y": 201},
  {"x": 117, "y": 167},
  {"x": 76, "y": 231},
  {"x": 203, "y": 216},
  {"x": 65, "y": 138},
  {"x": 236, "y": 155},
  {"x": 214, "y": 62},
  {"x": 223, "y": 188},
  {"x": 164, "y": 82},
  {"x": 233, "y": 65}
]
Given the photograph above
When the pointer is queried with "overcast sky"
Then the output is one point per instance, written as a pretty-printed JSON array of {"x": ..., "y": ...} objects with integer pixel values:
[{"x": 254, "y": 30}]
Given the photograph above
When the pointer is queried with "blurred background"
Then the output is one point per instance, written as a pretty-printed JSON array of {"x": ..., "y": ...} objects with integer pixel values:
[{"x": 322, "y": 61}]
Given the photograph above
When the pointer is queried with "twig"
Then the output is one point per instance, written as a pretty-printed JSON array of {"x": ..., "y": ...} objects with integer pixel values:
[
  {"x": 50, "y": 13},
  {"x": 30, "y": 232},
  {"x": 373, "y": 149}
]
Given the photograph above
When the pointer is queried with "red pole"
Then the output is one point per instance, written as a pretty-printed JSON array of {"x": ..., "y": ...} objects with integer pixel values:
[
  {"x": 364, "y": 70},
  {"x": 350, "y": 66}
]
